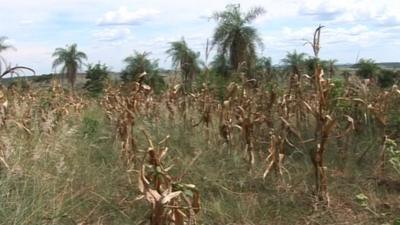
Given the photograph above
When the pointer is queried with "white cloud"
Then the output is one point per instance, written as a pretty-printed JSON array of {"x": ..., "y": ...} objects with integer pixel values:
[
  {"x": 26, "y": 22},
  {"x": 112, "y": 34},
  {"x": 384, "y": 12},
  {"x": 123, "y": 16}
]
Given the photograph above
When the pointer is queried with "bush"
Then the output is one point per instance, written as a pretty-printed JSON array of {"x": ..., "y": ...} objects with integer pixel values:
[
  {"x": 97, "y": 76},
  {"x": 387, "y": 78},
  {"x": 367, "y": 68}
]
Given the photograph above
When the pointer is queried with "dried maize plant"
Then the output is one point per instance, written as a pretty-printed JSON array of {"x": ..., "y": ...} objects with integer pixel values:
[
  {"x": 243, "y": 118},
  {"x": 20, "y": 111},
  {"x": 295, "y": 92},
  {"x": 344, "y": 137},
  {"x": 3, "y": 108},
  {"x": 232, "y": 115},
  {"x": 324, "y": 125},
  {"x": 120, "y": 111},
  {"x": 269, "y": 108},
  {"x": 246, "y": 117},
  {"x": 226, "y": 123},
  {"x": 172, "y": 98},
  {"x": 56, "y": 105},
  {"x": 151, "y": 106},
  {"x": 279, "y": 137},
  {"x": 178, "y": 101},
  {"x": 379, "y": 108},
  {"x": 205, "y": 104},
  {"x": 276, "y": 155},
  {"x": 358, "y": 93},
  {"x": 319, "y": 108},
  {"x": 121, "y": 106},
  {"x": 226, "y": 114},
  {"x": 172, "y": 202}
]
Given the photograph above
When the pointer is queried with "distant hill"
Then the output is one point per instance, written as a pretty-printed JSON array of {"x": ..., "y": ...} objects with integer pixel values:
[{"x": 385, "y": 65}]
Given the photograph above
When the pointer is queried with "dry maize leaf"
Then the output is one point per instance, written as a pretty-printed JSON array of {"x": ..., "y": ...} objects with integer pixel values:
[
  {"x": 146, "y": 87},
  {"x": 4, "y": 162},
  {"x": 281, "y": 157},
  {"x": 163, "y": 153},
  {"x": 308, "y": 106},
  {"x": 329, "y": 125},
  {"x": 152, "y": 196},
  {"x": 170, "y": 196},
  {"x": 351, "y": 125},
  {"x": 252, "y": 158},
  {"x": 140, "y": 197},
  {"x": 226, "y": 103},
  {"x": 239, "y": 127},
  {"x": 268, "y": 169},
  {"x": 143, "y": 182},
  {"x": 21, "y": 126},
  {"x": 178, "y": 217}
]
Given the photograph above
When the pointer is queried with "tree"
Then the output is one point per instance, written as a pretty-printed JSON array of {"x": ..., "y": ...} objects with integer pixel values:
[
  {"x": 8, "y": 69},
  {"x": 310, "y": 65},
  {"x": 295, "y": 62},
  {"x": 71, "y": 60},
  {"x": 388, "y": 78},
  {"x": 185, "y": 59},
  {"x": 235, "y": 38},
  {"x": 367, "y": 68},
  {"x": 264, "y": 67},
  {"x": 220, "y": 65},
  {"x": 139, "y": 64},
  {"x": 96, "y": 76}
]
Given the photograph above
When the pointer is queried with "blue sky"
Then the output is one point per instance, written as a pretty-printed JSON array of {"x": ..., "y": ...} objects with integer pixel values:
[{"x": 109, "y": 31}]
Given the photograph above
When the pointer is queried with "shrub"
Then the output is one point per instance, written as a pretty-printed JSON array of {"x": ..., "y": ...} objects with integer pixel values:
[
  {"x": 387, "y": 78},
  {"x": 367, "y": 68},
  {"x": 97, "y": 76}
]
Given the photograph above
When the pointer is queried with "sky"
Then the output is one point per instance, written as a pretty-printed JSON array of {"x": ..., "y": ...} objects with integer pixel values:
[{"x": 109, "y": 31}]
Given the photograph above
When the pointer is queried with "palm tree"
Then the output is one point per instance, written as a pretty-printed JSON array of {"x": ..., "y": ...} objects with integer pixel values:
[
  {"x": 71, "y": 60},
  {"x": 186, "y": 59},
  {"x": 220, "y": 65},
  {"x": 140, "y": 68},
  {"x": 235, "y": 38},
  {"x": 264, "y": 67},
  {"x": 8, "y": 69},
  {"x": 137, "y": 64},
  {"x": 294, "y": 62},
  {"x": 311, "y": 64}
]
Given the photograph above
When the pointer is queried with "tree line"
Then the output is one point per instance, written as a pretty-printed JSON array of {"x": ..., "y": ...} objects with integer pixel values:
[{"x": 236, "y": 43}]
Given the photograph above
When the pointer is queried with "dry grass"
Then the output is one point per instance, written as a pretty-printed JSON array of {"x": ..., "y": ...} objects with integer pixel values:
[{"x": 70, "y": 160}]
